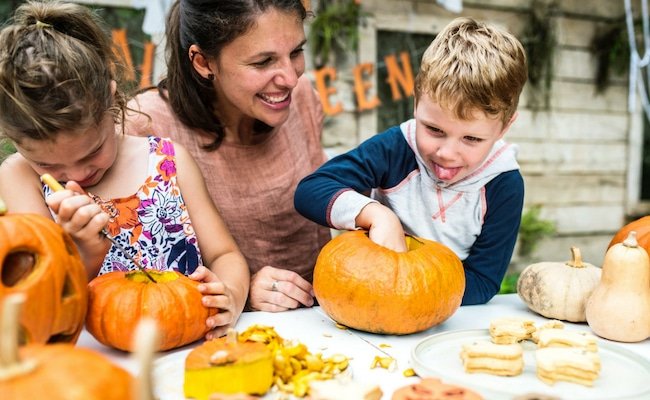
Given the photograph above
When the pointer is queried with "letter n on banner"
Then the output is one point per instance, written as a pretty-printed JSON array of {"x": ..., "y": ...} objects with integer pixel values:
[{"x": 403, "y": 77}]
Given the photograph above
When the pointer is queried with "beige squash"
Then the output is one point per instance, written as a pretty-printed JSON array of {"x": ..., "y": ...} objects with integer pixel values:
[
  {"x": 619, "y": 307},
  {"x": 559, "y": 290}
]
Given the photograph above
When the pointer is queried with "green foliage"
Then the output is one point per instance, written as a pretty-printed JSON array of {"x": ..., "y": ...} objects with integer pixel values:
[
  {"x": 612, "y": 51},
  {"x": 509, "y": 283},
  {"x": 532, "y": 230},
  {"x": 6, "y": 148},
  {"x": 539, "y": 41},
  {"x": 334, "y": 29}
]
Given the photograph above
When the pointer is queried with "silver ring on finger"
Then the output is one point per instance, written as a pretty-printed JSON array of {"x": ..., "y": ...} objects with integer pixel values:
[{"x": 274, "y": 286}]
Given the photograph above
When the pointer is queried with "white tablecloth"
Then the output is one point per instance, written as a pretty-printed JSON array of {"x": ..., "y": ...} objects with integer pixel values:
[{"x": 313, "y": 328}]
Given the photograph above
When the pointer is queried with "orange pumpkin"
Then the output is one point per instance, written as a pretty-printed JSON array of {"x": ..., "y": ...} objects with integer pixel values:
[
  {"x": 365, "y": 286},
  {"x": 642, "y": 228},
  {"x": 39, "y": 259},
  {"x": 118, "y": 300},
  {"x": 55, "y": 371}
]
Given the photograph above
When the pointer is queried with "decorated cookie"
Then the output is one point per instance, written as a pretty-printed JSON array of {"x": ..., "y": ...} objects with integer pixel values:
[{"x": 434, "y": 389}]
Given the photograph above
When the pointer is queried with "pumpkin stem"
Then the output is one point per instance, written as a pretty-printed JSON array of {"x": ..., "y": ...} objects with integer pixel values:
[
  {"x": 3, "y": 207},
  {"x": 10, "y": 363},
  {"x": 630, "y": 240},
  {"x": 576, "y": 258},
  {"x": 231, "y": 337},
  {"x": 146, "y": 342}
]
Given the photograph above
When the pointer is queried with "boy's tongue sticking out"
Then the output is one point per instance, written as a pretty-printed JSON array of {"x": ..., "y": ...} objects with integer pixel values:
[{"x": 445, "y": 174}]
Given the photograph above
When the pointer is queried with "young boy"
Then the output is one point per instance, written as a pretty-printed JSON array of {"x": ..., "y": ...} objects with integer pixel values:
[{"x": 445, "y": 175}]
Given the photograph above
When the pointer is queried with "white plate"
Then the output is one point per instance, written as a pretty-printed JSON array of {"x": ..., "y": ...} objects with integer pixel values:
[
  {"x": 624, "y": 375},
  {"x": 169, "y": 375}
]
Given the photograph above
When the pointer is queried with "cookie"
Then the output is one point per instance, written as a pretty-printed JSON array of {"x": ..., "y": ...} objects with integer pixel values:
[
  {"x": 336, "y": 389},
  {"x": 567, "y": 364},
  {"x": 567, "y": 338},
  {"x": 490, "y": 358},
  {"x": 552, "y": 324},
  {"x": 511, "y": 330},
  {"x": 434, "y": 389}
]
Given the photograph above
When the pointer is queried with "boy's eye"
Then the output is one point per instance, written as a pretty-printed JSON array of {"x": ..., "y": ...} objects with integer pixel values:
[
  {"x": 435, "y": 131},
  {"x": 473, "y": 139},
  {"x": 297, "y": 52}
]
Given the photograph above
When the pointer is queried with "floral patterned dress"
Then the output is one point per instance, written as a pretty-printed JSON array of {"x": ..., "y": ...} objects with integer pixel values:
[{"x": 153, "y": 223}]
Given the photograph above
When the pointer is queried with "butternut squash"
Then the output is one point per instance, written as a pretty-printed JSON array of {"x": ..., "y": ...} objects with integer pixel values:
[{"x": 619, "y": 307}]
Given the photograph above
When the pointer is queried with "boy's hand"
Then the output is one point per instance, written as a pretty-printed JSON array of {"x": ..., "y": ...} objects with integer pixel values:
[
  {"x": 383, "y": 225},
  {"x": 275, "y": 289},
  {"x": 215, "y": 295}
]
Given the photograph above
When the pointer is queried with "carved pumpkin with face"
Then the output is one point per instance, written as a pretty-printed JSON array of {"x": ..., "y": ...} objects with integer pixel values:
[{"x": 39, "y": 259}]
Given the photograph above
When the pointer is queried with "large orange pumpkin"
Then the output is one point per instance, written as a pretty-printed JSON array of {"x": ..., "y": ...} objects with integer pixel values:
[
  {"x": 642, "y": 228},
  {"x": 118, "y": 300},
  {"x": 39, "y": 259},
  {"x": 365, "y": 286},
  {"x": 55, "y": 371}
]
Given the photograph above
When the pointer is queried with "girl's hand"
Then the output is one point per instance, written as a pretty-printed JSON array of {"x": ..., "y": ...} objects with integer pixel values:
[
  {"x": 216, "y": 295},
  {"x": 83, "y": 220},
  {"x": 274, "y": 289}
]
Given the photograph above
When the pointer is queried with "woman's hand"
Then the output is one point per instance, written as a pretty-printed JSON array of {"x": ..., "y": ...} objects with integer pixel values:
[
  {"x": 274, "y": 289},
  {"x": 216, "y": 295}
]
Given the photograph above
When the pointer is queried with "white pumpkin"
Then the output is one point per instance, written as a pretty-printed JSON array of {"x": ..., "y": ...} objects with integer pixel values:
[{"x": 559, "y": 290}]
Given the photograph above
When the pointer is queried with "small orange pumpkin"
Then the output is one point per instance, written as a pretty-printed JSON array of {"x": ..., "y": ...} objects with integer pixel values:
[
  {"x": 55, "y": 371},
  {"x": 365, "y": 286},
  {"x": 642, "y": 228},
  {"x": 39, "y": 259},
  {"x": 118, "y": 300}
]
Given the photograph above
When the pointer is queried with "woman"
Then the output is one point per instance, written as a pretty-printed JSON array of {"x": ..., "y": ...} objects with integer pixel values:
[{"x": 236, "y": 98}]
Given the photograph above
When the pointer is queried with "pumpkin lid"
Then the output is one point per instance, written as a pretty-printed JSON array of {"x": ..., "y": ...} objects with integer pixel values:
[{"x": 222, "y": 352}]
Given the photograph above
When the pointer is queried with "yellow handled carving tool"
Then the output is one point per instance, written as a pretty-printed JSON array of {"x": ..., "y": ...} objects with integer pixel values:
[{"x": 56, "y": 186}]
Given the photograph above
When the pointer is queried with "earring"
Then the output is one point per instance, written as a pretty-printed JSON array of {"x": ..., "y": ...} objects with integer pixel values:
[{"x": 210, "y": 77}]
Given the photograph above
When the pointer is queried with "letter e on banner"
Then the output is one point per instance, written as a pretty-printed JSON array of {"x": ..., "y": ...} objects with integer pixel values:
[
  {"x": 325, "y": 91},
  {"x": 361, "y": 86}
]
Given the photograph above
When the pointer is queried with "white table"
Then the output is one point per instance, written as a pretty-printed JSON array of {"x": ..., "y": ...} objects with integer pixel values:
[{"x": 313, "y": 328}]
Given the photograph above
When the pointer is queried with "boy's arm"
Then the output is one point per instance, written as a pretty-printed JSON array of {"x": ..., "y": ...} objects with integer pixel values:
[
  {"x": 335, "y": 194},
  {"x": 490, "y": 255}
]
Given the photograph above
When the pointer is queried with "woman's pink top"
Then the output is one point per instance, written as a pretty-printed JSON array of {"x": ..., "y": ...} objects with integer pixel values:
[{"x": 253, "y": 185}]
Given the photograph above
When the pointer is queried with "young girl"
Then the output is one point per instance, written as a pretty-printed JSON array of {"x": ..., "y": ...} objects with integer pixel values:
[{"x": 59, "y": 105}]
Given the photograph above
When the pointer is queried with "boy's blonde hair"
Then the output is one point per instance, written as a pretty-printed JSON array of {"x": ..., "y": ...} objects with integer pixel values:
[
  {"x": 56, "y": 67},
  {"x": 472, "y": 66}
]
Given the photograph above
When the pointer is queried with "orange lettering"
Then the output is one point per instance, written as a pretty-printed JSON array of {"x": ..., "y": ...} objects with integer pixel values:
[
  {"x": 146, "y": 69},
  {"x": 121, "y": 48},
  {"x": 325, "y": 91},
  {"x": 361, "y": 86},
  {"x": 403, "y": 77}
]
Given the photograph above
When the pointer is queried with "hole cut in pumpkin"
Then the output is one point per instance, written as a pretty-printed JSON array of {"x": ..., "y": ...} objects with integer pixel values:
[{"x": 17, "y": 267}]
